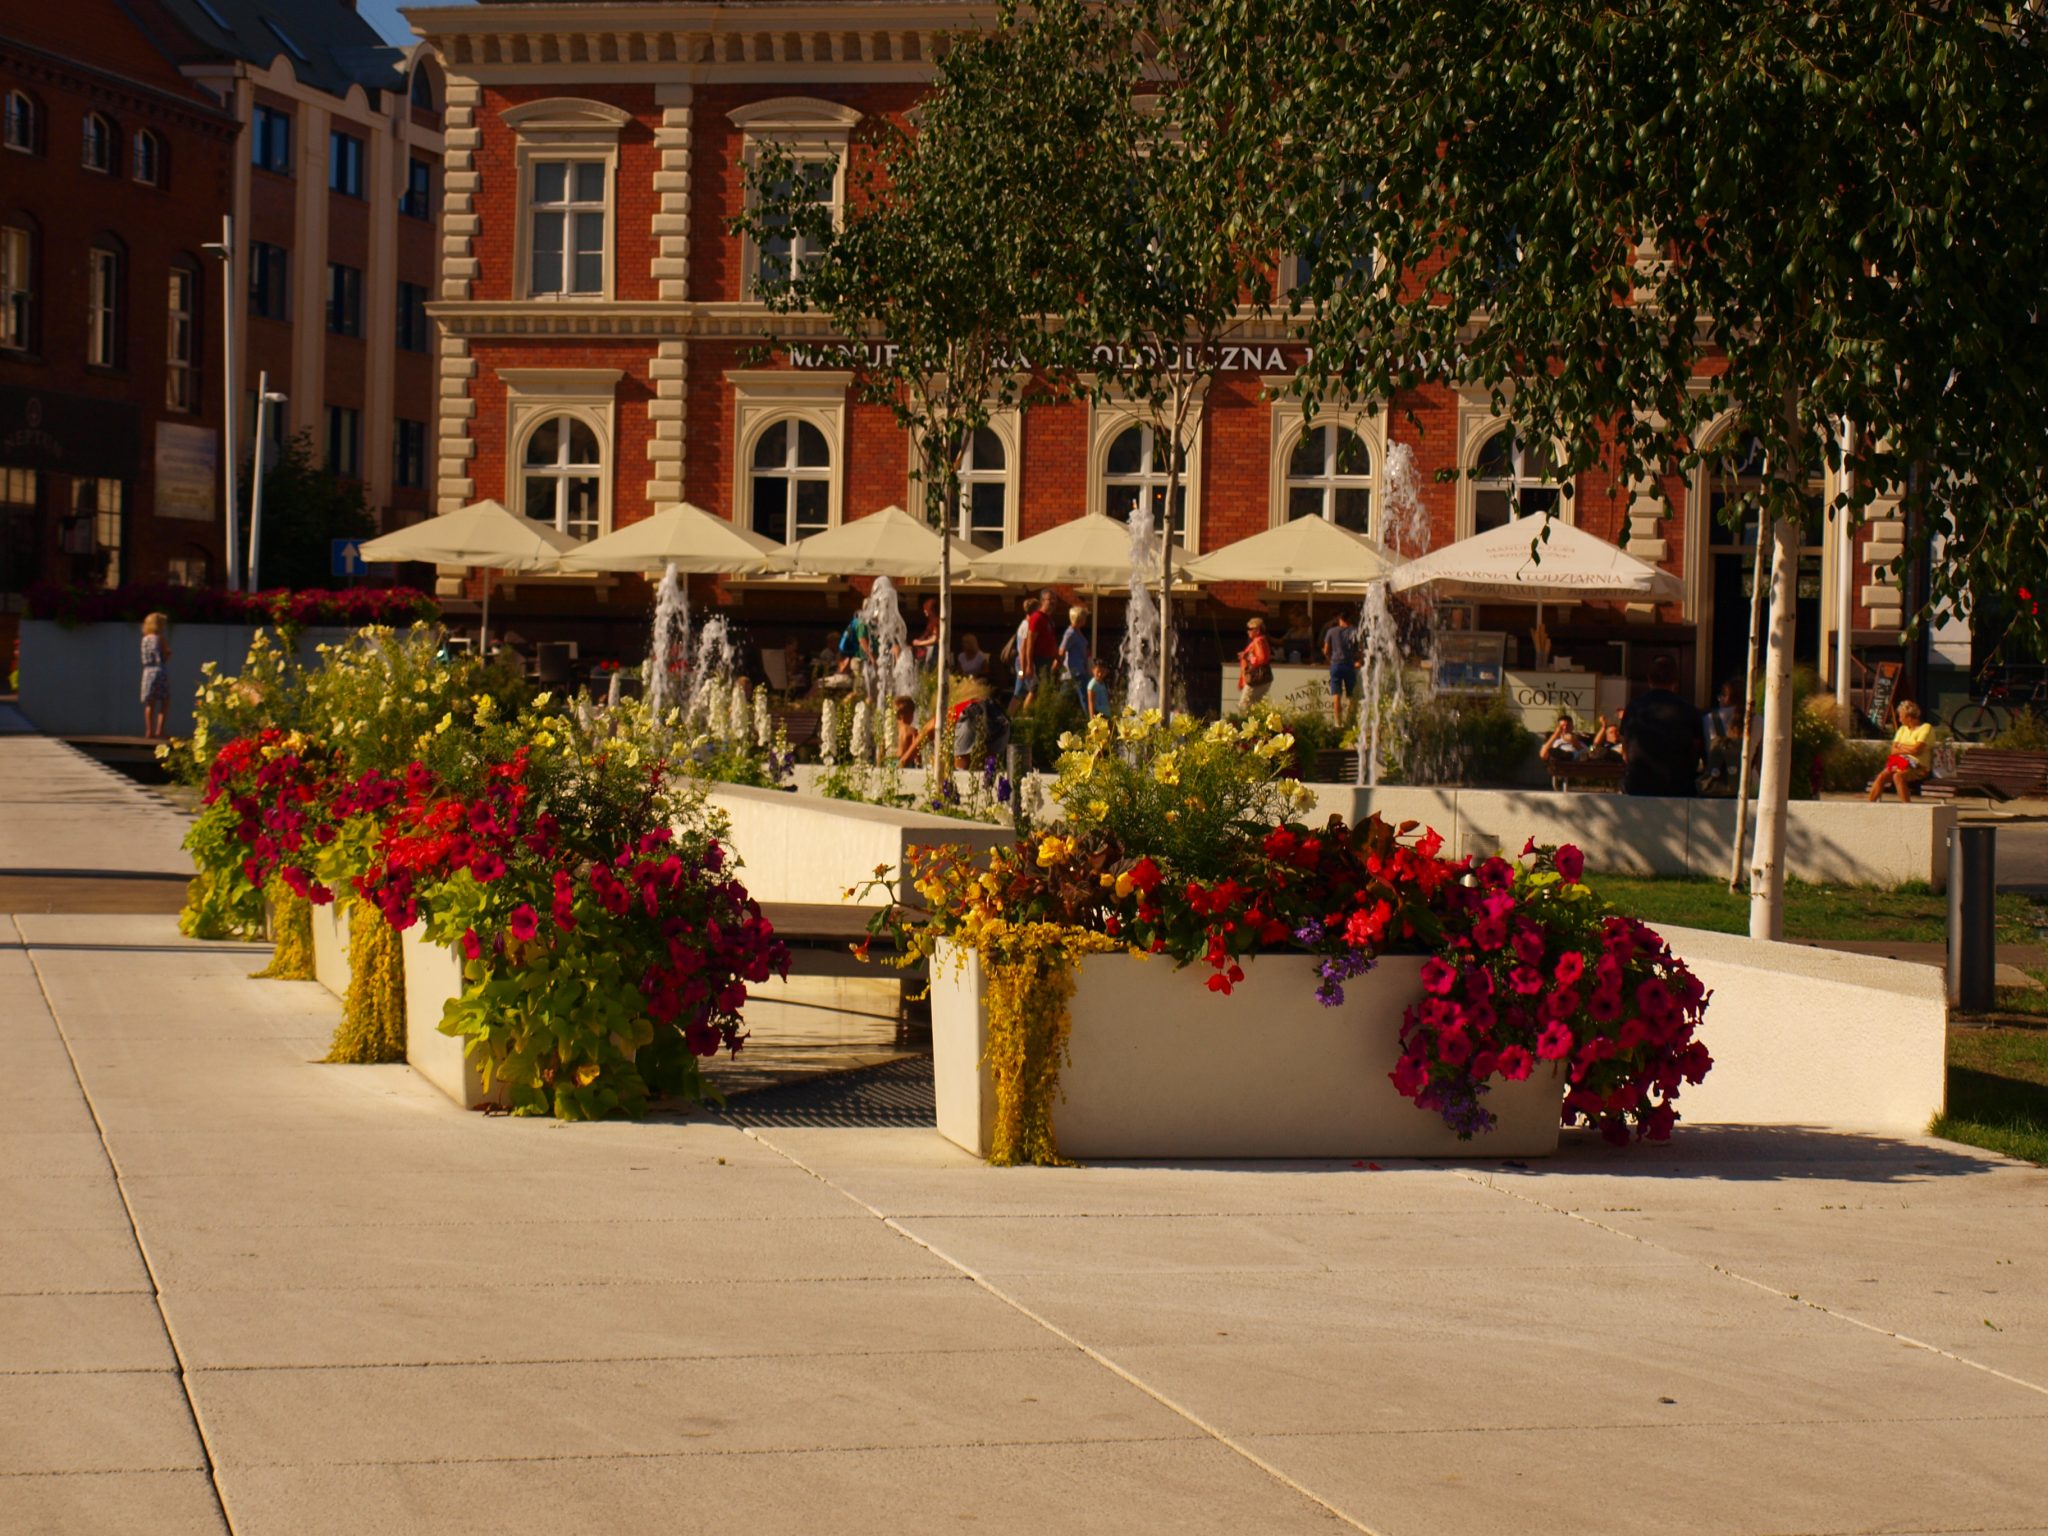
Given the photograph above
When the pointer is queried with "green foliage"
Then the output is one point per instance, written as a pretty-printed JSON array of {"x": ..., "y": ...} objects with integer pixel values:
[
  {"x": 304, "y": 507},
  {"x": 1054, "y": 710},
  {"x": 266, "y": 692},
  {"x": 380, "y": 696},
  {"x": 372, "y": 1027},
  {"x": 291, "y": 930},
  {"x": 2025, "y": 732},
  {"x": 1453, "y": 740},
  {"x": 1305, "y": 715},
  {"x": 1851, "y": 765}
]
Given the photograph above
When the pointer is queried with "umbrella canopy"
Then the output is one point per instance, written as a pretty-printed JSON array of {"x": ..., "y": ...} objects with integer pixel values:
[
  {"x": 482, "y": 533},
  {"x": 692, "y": 540},
  {"x": 1570, "y": 564},
  {"x": 1306, "y": 549},
  {"x": 888, "y": 543},
  {"x": 1091, "y": 551}
]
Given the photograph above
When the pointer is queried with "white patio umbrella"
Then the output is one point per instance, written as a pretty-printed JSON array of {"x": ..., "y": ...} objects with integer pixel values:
[
  {"x": 686, "y": 537},
  {"x": 1092, "y": 552},
  {"x": 481, "y": 535},
  {"x": 888, "y": 543},
  {"x": 1569, "y": 565},
  {"x": 1309, "y": 549}
]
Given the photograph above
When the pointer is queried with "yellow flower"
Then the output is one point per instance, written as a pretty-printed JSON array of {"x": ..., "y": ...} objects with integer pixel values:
[
  {"x": 442, "y": 728},
  {"x": 1098, "y": 809},
  {"x": 1054, "y": 850},
  {"x": 1124, "y": 885},
  {"x": 1167, "y": 769},
  {"x": 544, "y": 740}
]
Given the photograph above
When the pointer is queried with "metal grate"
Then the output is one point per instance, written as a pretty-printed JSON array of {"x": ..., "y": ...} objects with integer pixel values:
[{"x": 898, "y": 1093}]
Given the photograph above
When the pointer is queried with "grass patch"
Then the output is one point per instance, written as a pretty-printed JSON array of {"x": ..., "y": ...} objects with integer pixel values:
[
  {"x": 1998, "y": 1091},
  {"x": 1913, "y": 913}
]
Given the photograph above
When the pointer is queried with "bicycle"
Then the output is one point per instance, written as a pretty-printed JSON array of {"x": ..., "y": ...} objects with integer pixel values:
[{"x": 1980, "y": 719}]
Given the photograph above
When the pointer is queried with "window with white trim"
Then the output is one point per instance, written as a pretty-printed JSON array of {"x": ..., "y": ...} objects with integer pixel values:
[
  {"x": 1329, "y": 475},
  {"x": 96, "y": 150},
  {"x": 103, "y": 308},
  {"x": 985, "y": 491},
  {"x": 149, "y": 159},
  {"x": 815, "y": 133},
  {"x": 790, "y": 481},
  {"x": 24, "y": 123},
  {"x": 566, "y": 228},
  {"x": 180, "y": 391},
  {"x": 562, "y": 477},
  {"x": 17, "y": 287},
  {"x": 1511, "y": 479},
  {"x": 785, "y": 249},
  {"x": 1134, "y": 474}
]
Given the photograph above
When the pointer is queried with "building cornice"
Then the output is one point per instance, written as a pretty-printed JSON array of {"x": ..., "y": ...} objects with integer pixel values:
[{"x": 609, "y": 317}]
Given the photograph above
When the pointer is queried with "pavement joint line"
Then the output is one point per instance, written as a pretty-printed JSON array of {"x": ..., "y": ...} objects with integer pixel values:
[
  {"x": 1669, "y": 1425},
  {"x": 809, "y": 1352},
  {"x": 135, "y": 1235},
  {"x": 1096, "y": 1355},
  {"x": 27, "y": 1472},
  {"x": 1771, "y": 1290}
]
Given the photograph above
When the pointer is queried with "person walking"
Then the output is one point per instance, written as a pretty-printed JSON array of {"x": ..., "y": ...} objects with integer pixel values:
[
  {"x": 1254, "y": 664},
  {"x": 1017, "y": 651},
  {"x": 156, "y": 676},
  {"x": 1660, "y": 738},
  {"x": 926, "y": 646},
  {"x": 1074, "y": 653},
  {"x": 1045, "y": 640},
  {"x": 972, "y": 660},
  {"x": 1911, "y": 758},
  {"x": 1340, "y": 650},
  {"x": 1097, "y": 695}
]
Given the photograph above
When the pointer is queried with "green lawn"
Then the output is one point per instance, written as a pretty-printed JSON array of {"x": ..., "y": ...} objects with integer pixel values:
[
  {"x": 1998, "y": 1091},
  {"x": 1910, "y": 914}
]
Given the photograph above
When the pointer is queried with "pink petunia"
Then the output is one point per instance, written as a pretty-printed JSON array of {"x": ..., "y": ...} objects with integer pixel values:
[
  {"x": 1571, "y": 965},
  {"x": 1437, "y": 978},
  {"x": 1555, "y": 1043},
  {"x": 1525, "y": 980},
  {"x": 1570, "y": 863},
  {"x": 523, "y": 924},
  {"x": 1515, "y": 1063}
]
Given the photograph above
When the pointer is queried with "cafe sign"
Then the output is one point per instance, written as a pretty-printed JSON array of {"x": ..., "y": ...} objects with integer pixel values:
[{"x": 64, "y": 434}]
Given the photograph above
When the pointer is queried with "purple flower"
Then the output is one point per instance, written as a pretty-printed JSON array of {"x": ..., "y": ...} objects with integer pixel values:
[{"x": 1003, "y": 790}]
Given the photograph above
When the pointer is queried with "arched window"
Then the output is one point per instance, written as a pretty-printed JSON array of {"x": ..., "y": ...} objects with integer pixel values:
[
  {"x": 422, "y": 89},
  {"x": 181, "y": 391},
  {"x": 1135, "y": 473},
  {"x": 984, "y": 491},
  {"x": 97, "y": 151},
  {"x": 149, "y": 159},
  {"x": 1512, "y": 479},
  {"x": 24, "y": 123},
  {"x": 1329, "y": 475},
  {"x": 564, "y": 477},
  {"x": 791, "y": 482}
]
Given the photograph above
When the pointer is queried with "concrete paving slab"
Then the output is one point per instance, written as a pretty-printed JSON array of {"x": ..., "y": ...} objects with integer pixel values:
[
  {"x": 114, "y": 1504},
  {"x": 53, "y": 1154},
  {"x": 83, "y": 1332},
  {"x": 110, "y": 1421},
  {"x": 685, "y": 1318},
  {"x": 103, "y": 1259},
  {"x": 41, "y": 1204},
  {"x": 1189, "y": 1488},
  {"x": 1713, "y": 1480},
  {"x": 731, "y": 1406}
]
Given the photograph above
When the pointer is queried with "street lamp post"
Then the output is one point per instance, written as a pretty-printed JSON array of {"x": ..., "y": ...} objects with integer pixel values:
[
  {"x": 224, "y": 251},
  {"x": 266, "y": 397}
]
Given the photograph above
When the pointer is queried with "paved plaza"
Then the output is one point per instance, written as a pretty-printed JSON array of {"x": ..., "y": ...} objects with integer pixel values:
[{"x": 243, "y": 1291}]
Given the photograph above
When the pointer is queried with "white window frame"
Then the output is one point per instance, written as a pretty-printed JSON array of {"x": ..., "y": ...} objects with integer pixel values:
[
  {"x": 571, "y": 130},
  {"x": 1289, "y": 421},
  {"x": 180, "y": 393},
  {"x": 563, "y": 470},
  {"x": 17, "y": 287},
  {"x": 811, "y": 129},
  {"x": 1106, "y": 425},
  {"x": 103, "y": 307},
  {"x": 1008, "y": 426},
  {"x": 792, "y": 473},
  {"x": 98, "y": 129},
  {"x": 532, "y": 395},
  {"x": 1477, "y": 430},
  {"x": 23, "y": 111},
  {"x": 764, "y": 396}
]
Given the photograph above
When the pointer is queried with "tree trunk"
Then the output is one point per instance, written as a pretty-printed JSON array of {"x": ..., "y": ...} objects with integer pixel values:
[
  {"x": 1767, "y": 873},
  {"x": 942, "y": 736},
  {"x": 1757, "y": 588}
]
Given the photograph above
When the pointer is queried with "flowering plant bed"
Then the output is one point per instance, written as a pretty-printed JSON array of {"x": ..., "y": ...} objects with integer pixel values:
[
  {"x": 280, "y": 606},
  {"x": 1512, "y": 978}
]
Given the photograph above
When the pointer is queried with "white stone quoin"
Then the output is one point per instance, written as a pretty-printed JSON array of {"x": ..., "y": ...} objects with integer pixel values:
[{"x": 1161, "y": 1067}]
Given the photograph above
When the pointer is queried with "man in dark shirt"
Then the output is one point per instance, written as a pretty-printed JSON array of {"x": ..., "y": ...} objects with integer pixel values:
[{"x": 1661, "y": 738}]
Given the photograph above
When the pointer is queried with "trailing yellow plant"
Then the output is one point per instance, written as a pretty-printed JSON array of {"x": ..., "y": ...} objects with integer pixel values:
[
  {"x": 291, "y": 929},
  {"x": 372, "y": 1027}
]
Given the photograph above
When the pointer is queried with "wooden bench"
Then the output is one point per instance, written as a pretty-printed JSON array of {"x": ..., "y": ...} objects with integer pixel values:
[
  {"x": 802, "y": 725},
  {"x": 1992, "y": 772},
  {"x": 1589, "y": 773}
]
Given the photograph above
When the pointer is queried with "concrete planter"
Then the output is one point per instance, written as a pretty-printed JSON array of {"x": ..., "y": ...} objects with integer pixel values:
[
  {"x": 433, "y": 979},
  {"x": 86, "y": 679},
  {"x": 803, "y": 848},
  {"x": 330, "y": 947},
  {"x": 1160, "y": 1067}
]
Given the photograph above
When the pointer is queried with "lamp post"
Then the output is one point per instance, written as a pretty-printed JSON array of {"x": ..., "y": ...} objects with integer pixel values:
[
  {"x": 223, "y": 250},
  {"x": 266, "y": 397}
]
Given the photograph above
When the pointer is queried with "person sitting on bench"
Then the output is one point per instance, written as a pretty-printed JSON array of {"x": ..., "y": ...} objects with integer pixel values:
[{"x": 1912, "y": 755}]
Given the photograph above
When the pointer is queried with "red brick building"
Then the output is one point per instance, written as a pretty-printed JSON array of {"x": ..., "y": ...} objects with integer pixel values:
[
  {"x": 114, "y": 170},
  {"x": 602, "y": 348}
]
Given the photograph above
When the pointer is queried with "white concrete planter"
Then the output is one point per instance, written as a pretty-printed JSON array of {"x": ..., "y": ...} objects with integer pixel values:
[
  {"x": 1160, "y": 1067},
  {"x": 330, "y": 946},
  {"x": 1814, "y": 1037},
  {"x": 1836, "y": 842},
  {"x": 433, "y": 979},
  {"x": 86, "y": 679},
  {"x": 806, "y": 848}
]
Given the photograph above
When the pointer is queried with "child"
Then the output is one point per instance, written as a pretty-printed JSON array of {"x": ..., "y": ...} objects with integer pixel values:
[{"x": 1097, "y": 696}]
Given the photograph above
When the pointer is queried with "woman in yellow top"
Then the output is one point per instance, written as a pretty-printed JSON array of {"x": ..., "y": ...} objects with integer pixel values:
[{"x": 1912, "y": 754}]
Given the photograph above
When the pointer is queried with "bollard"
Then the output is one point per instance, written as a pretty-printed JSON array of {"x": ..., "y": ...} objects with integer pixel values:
[{"x": 1972, "y": 917}]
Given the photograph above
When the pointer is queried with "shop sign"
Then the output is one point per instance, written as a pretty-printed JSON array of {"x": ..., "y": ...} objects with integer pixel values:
[
  {"x": 67, "y": 434},
  {"x": 1231, "y": 358},
  {"x": 187, "y": 471}
]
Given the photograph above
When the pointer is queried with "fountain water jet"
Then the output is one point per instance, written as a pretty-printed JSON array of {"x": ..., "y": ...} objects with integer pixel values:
[
  {"x": 1404, "y": 533},
  {"x": 1140, "y": 654},
  {"x": 669, "y": 655}
]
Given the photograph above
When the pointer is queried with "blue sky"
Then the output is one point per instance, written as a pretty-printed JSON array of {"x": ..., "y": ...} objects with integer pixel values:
[{"x": 383, "y": 15}]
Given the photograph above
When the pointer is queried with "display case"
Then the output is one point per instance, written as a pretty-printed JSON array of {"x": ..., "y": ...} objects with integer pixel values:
[{"x": 1471, "y": 661}]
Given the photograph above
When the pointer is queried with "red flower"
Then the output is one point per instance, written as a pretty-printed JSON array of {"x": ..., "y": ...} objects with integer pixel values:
[
  {"x": 1515, "y": 1063},
  {"x": 1145, "y": 875},
  {"x": 523, "y": 924},
  {"x": 1570, "y": 863},
  {"x": 1526, "y": 981},
  {"x": 1571, "y": 965},
  {"x": 1437, "y": 978},
  {"x": 472, "y": 946},
  {"x": 1555, "y": 1043}
]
